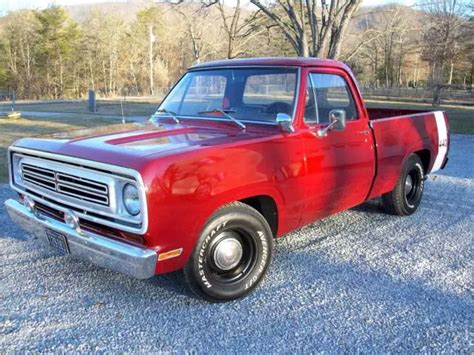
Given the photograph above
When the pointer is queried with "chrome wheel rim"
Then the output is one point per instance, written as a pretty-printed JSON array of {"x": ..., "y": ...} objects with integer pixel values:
[
  {"x": 408, "y": 185},
  {"x": 413, "y": 186},
  {"x": 232, "y": 256},
  {"x": 228, "y": 253}
]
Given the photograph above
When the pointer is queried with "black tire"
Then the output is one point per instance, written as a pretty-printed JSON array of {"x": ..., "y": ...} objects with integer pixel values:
[
  {"x": 216, "y": 276},
  {"x": 405, "y": 198}
]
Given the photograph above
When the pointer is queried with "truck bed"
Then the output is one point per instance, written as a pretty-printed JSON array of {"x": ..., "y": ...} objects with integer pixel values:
[
  {"x": 378, "y": 113},
  {"x": 397, "y": 134}
]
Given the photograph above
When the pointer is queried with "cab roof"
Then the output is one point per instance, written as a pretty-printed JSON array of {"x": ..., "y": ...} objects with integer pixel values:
[{"x": 273, "y": 61}]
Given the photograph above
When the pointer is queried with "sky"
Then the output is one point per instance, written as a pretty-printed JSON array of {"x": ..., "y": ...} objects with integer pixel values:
[{"x": 12, "y": 5}]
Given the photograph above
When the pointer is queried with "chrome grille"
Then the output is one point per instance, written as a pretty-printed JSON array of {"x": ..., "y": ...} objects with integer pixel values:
[
  {"x": 91, "y": 189},
  {"x": 74, "y": 186}
]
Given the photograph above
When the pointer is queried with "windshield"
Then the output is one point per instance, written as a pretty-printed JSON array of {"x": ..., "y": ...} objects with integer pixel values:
[{"x": 248, "y": 94}]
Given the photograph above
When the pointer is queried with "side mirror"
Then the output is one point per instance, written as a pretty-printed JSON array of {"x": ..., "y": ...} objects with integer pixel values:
[
  {"x": 284, "y": 122},
  {"x": 340, "y": 117},
  {"x": 337, "y": 122}
]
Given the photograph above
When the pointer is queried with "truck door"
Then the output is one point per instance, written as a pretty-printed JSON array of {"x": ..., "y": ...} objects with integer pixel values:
[{"x": 341, "y": 164}]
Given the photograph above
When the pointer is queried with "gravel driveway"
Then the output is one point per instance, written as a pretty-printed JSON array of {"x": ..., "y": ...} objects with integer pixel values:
[{"x": 360, "y": 281}]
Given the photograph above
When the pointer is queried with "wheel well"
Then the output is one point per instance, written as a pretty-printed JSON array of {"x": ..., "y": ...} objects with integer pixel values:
[
  {"x": 425, "y": 157},
  {"x": 267, "y": 207}
]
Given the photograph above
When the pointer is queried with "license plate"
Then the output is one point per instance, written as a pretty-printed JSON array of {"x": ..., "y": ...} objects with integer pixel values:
[{"x": 58, "y": 241}]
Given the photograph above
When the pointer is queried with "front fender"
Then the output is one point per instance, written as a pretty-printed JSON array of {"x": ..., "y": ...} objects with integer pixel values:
[{"x": 184, "y": 191}]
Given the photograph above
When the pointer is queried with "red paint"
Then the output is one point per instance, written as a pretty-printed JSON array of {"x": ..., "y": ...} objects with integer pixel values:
[{"x": 192, "y": 169}]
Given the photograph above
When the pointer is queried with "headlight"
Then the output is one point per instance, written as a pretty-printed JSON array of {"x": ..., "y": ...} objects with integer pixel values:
[
  {"x": 16, "y": 168},
  {"x": 131, "y": 200}
]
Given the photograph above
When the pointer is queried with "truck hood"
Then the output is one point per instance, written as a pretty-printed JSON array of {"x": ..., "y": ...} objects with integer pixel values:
[{"x": 131, "y": 145}]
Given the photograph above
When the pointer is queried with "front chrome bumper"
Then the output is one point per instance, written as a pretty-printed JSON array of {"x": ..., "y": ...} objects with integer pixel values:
[{"x": 111, "y": 254}]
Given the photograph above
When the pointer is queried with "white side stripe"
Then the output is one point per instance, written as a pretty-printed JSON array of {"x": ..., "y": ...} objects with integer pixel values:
[{"x": 442, "y": 141}]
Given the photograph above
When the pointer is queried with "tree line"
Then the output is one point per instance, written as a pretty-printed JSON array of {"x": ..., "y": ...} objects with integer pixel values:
[{"x": 49, "y": 54}]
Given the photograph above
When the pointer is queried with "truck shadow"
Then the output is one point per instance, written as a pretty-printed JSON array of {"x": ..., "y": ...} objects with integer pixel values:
[
  {"x": 373, "y": 206},
  {"x": 173, "y": 282}
]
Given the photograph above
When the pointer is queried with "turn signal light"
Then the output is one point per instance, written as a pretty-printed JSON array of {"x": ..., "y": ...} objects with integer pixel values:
[{"x": 170, "y": 254}]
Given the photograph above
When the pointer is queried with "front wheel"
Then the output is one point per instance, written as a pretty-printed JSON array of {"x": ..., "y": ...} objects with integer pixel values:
[
  {"x": 405, "y": 198},
  {"x": 231, "y": 255}
]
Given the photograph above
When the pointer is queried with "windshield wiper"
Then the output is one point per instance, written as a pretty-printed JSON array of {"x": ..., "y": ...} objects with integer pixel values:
[
  {"x": 169, "y": 113},
  {"x": 225, "y": 113}
]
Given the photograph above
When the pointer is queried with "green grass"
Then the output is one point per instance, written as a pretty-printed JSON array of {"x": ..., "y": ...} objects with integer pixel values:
[
  {"x": 11, "y": 130},
  {"x": 461, "y": 118},
  {"x": 130, "y": 108}
]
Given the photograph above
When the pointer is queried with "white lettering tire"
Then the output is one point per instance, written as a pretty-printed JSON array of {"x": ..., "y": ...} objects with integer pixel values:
[{"x": 232, "y": 254}]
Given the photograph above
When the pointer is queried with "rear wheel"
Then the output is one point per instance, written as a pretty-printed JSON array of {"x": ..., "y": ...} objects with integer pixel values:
[
  {"x": 231, "y": 255},
  {"x": 405, "y": 198}
]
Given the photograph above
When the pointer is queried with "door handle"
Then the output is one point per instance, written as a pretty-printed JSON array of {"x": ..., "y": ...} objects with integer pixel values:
[{"x": 365, "y": 133}]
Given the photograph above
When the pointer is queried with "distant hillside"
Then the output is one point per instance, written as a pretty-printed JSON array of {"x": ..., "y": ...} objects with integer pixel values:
[{"x": 125, "y": 9}]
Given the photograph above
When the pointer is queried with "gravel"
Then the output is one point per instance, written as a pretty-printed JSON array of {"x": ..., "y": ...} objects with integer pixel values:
[{"x": 360, "y": 281}]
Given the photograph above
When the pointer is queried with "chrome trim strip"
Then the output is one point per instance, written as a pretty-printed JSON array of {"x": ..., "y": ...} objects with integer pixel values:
[
  {"x": 10, "y": 166},
  {"x": 105, "y": 252},
  {"x": 132, "y": 174},
  {"x": 33, "y": 167},
  {"x": 36, "y": 175},
  {"x": 316, "y": 108},
  {"x": 63, "y": 189},
  {"x": 297, "y": 95},
  {"x": 29, "y": 180},
  {"x": 99, "y": 188}
]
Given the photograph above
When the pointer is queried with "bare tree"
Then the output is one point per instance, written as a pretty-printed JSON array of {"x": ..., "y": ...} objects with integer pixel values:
[
  {"x": 312, "y": 31},
  {"x": 198, "y": 26},
  {"x": 150, "y": 19},
  {"x": 386, "y": 38},
  {"x": 102, "y": 42},
  {"x": 441, "y": 37},
  {"x": 239, "y": 27},
  {"x": 19, "y": 43}
]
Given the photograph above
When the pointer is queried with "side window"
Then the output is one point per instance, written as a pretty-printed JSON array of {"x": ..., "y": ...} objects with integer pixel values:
[
  {"x": 264, "y": 89},
  {"x": 330, "y": 92}
]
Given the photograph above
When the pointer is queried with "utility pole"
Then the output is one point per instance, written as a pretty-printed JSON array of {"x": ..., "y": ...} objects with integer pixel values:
[{"x": 150, "y": 53}]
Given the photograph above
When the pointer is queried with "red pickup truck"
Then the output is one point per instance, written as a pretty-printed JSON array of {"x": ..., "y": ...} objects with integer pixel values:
[{"x": 238, "y": 153}]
